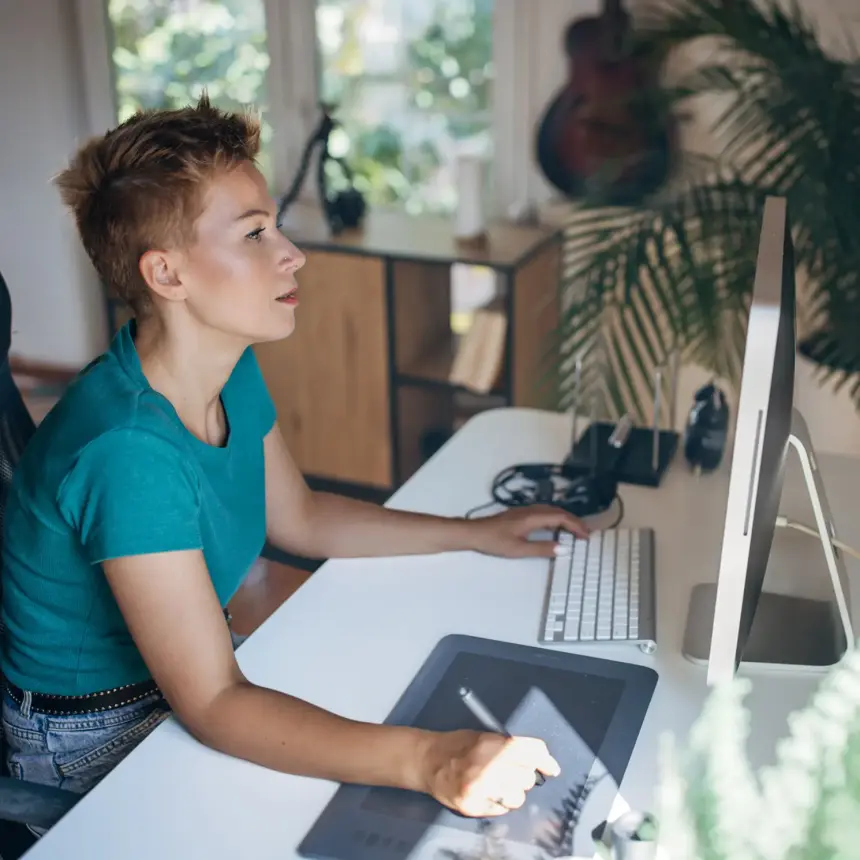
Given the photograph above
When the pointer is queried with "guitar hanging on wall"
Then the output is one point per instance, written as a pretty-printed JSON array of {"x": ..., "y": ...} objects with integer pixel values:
[{"x": 606, "y": 134}]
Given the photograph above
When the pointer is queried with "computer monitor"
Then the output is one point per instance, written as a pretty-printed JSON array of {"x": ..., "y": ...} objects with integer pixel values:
[{"x": 734, "y": 620}]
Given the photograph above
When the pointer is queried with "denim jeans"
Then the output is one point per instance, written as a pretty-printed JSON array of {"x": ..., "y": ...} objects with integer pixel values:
[{"x": 75, "y": 752}]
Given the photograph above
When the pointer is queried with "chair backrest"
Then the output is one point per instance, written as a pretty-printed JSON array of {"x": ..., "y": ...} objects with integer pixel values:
[{"x": 16, "y": 423}]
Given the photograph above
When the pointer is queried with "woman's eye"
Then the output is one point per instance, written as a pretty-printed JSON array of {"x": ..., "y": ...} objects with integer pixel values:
[{"x": 256, "y": 235}]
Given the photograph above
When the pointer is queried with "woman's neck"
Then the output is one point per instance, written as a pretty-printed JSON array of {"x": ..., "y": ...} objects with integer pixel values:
[{"x": 190, "y": 369}]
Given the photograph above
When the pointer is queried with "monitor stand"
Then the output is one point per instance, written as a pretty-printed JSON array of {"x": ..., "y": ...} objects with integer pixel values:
[{"x": 787, "y": 632}]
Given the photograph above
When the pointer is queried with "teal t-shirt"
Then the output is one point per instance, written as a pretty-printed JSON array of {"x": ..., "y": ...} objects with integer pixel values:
[{"x": 112, "y": 472}]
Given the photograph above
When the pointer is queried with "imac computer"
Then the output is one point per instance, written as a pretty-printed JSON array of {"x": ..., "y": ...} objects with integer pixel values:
[{"x": 734, "y": 621}]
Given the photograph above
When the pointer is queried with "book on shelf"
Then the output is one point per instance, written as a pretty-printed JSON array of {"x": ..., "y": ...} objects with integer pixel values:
[{"x": 481, "y": 352}]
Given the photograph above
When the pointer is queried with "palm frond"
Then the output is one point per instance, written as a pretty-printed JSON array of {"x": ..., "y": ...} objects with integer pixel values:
[
  {"x": 640, "y": 284},
  {"x": 676, "y": 272}
]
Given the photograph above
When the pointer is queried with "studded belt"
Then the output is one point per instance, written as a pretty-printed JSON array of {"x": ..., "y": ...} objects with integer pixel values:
[{"x": 104, "y": 700}]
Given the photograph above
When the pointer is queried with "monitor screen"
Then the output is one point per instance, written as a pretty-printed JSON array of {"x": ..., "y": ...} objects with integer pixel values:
[
  {"x": 773, "y": 422},
  {"x": 762, "y": 434}
]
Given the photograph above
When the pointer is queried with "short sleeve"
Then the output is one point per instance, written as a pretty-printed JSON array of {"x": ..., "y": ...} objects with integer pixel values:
[
  {"x": 130, "y": 492},
  {"x": 249, "y": 391}
]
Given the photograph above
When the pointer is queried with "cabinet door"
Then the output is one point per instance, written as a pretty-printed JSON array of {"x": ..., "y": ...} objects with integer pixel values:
[{"x": 329, "y": 380}]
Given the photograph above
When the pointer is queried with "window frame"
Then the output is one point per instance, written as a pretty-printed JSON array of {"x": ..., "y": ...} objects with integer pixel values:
[{"x": 293, "y": 93}]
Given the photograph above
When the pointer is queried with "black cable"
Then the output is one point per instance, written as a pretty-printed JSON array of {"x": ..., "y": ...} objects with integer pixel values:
[
  {"x": 620, "y": 513},
  {"x": 471, "y": 513},
  {"x": 478, "y": 508}
]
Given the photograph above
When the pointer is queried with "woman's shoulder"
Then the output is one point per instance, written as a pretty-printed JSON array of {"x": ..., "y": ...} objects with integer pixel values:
[{"x": 100, "y": 406}]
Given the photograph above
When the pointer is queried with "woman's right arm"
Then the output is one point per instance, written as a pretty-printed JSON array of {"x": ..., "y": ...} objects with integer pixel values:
[{"x": 172, "y": 611}]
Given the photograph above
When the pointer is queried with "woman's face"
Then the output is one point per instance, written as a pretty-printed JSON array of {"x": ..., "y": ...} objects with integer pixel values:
[{"x": 239, "y": 274}]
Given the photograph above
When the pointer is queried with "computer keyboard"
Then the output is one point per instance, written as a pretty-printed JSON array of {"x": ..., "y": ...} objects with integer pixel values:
[{"x": 602, "y": 590}]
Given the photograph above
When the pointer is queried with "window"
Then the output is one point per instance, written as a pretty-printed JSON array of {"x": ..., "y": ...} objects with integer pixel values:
[
  {"x": 166, "y": 52},
  {"x": 411, "y": 85}
]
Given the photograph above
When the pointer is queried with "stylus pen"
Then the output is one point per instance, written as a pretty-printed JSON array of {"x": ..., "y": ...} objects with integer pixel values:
[{"x": 488, "y": 721}]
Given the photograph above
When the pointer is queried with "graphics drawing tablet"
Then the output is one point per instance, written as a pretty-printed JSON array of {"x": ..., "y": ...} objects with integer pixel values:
[{"x": 587, "y": 710}]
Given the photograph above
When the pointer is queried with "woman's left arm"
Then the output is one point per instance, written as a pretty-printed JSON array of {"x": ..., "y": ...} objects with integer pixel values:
[{"x": 324, "y": 525}]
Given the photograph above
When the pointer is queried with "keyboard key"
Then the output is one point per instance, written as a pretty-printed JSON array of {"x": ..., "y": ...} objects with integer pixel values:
[{"x": 594, "y": 589}]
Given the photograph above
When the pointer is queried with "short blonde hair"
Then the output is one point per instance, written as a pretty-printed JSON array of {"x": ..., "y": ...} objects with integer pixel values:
[{"x": 140, "y": 185}]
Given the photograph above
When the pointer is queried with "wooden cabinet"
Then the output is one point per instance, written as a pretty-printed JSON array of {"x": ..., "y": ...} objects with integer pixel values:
[
  {"x": 330, "y": 378},
  {"x": 365, "y": 376}
]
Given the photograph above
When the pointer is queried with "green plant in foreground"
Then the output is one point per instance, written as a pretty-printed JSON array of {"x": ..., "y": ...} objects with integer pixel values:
[{"x": 712, "y": 806}]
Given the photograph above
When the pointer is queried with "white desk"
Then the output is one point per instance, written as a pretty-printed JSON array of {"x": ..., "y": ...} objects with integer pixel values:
[{"x": 339, "y": 642}]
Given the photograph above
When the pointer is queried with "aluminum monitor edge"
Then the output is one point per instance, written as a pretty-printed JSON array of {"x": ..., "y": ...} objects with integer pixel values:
[{"x": 730, "y": 628}]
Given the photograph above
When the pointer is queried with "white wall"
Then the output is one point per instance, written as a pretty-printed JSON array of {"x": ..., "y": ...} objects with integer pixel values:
[{"x": 58, "y": 316}]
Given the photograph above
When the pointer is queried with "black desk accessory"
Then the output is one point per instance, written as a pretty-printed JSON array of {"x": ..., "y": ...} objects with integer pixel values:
[
  {"x": 647, "y": 452},
  {"x": 579, "y": 490},
  {"x": 707, "y": 428},
  {"x": 343, "y": 209},
  {"x": 582, "y": 489},
  {"x": 588, "y": 710}
]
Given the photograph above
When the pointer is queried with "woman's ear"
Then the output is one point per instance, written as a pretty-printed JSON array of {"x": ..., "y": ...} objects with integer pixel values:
[{"x": 160, "y": 274}]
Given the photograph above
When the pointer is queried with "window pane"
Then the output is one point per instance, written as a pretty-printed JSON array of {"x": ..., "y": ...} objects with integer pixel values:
[
  {"x": 166, "y": 52},
  {"x": 411, "y": 81}
]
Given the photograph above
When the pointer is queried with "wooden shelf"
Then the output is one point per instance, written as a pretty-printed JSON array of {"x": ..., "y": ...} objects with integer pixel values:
[{"x": 433, "y": 368}]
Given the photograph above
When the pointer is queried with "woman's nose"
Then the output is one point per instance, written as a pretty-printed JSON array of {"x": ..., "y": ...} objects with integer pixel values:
[{"x": 292, "y": 257}]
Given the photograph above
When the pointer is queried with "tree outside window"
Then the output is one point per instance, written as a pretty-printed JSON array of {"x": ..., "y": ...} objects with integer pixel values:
[
  {"x": 167, "y": 52},
  {"x": 411, "y": 82}
]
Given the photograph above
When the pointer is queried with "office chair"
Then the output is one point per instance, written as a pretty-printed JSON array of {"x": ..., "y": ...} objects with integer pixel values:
[{"x": 20, "y": 802}]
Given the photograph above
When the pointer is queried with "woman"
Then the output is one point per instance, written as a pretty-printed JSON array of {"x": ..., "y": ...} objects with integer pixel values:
[{"x": 148, "y": 492}]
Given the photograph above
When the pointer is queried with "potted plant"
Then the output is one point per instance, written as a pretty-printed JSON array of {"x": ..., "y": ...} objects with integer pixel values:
[
  {"x": 673, "y": 274},
  {"x": 806, "y": 806}
]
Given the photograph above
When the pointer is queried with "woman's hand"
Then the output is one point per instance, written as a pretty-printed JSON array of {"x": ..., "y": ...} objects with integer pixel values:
[
  {"x": 507, "y": 534},
  {"x": 482, "y": 774}
]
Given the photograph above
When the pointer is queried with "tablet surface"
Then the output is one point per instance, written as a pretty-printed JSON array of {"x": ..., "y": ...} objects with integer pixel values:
[{"x": 588, "y": 710}]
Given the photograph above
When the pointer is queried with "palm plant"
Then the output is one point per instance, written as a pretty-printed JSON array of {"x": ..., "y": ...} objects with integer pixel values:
[{"x": 673, "y": 275}]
